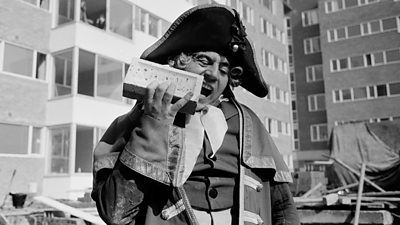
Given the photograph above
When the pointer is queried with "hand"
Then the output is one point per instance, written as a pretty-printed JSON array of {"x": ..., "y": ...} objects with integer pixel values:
[{"x": 157, "y": 101}]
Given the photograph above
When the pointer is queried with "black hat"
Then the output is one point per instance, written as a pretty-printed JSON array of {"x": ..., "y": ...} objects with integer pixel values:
[{"x": 216, "y": 28}]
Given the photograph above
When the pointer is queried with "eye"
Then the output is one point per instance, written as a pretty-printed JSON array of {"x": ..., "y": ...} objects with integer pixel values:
[
  {"x": 224, "y": 70},
  {"x": 203, "y": 60}
]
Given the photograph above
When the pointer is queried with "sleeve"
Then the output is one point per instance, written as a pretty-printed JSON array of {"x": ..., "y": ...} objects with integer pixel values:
[
  {"x": 282, "y": 205},
  {"x": 119, "y": 195},
  {"x": 127, "y": 161}
]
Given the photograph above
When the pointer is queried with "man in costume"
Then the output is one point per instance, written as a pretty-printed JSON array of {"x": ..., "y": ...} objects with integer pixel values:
[{"x": 155, "y": 165}]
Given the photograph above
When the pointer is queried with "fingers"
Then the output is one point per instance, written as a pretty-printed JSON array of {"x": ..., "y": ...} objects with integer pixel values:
[
  {"x": 181, "y": 102},
  {"x": 159, "y": 94},
  {"x": 158, "y": 98},
  {"x": 150, "y": 90}
]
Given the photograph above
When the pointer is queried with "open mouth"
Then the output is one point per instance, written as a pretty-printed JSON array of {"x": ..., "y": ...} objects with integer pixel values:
[{"x": 206, "y": 90}]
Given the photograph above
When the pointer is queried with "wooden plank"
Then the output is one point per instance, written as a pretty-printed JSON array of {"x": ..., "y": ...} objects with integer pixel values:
[
  {"x": 378, "y": 194},
  {"x": 309, "y": 216},
  {"x": 312, "y": 190},
  {"x": 359, "y": 194},
  {"x": 341, "y": 188},
  {"x": 358, "y": 174},
  {"x": 382, "y": 199},
  {"x": 73, "y": 211}
]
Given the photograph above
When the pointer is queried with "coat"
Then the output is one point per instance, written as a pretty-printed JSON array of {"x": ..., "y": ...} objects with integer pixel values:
[{"x": 138, "y": 166}]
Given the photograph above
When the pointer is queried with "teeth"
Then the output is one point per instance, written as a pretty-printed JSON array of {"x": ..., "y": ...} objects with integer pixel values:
[{"x": 207, "y": 86}]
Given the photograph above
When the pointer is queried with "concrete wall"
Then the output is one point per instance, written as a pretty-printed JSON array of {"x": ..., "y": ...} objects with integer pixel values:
[
  {"x": 23, "y": 100},
  {"x": 25, "y": 24}
]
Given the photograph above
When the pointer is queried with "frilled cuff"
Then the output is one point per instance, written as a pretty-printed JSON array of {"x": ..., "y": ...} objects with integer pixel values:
[
  {"x": 154, "y": 150},
  {"x": 144, "y": 167}
]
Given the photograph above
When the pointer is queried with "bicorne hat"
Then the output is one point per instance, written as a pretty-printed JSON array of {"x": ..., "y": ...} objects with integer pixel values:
[{"x": 211, "y": 27}]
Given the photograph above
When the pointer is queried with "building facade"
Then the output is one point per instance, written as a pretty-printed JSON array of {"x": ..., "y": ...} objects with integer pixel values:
[
  {"x": 346, "y": 56},
  {"x": 62, "y": 65}
]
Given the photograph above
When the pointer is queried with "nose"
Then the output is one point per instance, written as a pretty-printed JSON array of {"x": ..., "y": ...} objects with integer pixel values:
[{"x": 211, "y": 73}]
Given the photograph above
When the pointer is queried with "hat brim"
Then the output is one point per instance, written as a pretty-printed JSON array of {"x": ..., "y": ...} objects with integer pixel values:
[{"x": 208, "y": 28}]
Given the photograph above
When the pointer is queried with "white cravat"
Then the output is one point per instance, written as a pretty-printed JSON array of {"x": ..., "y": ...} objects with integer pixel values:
[{"x": 213, "y": 122}]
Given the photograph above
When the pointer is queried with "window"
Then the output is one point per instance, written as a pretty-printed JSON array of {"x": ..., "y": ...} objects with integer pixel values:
[
  {"x": 94, "y": 12},
  {"x": 353, "y": 31},
  {"x": 389, "y": 24},
  {"x": 312, "y": 45},
  {"x": 351, "y": 3},
  {"x": 272, "y": 127},
  {"x": 336, "y": 96},
  {"x": 86, "y": 73},
  {"x": 334, "y": 65},
  {"x": 121, "y": 18},
  {"x": 147, "y": 22},
  {"x": 63, "y": 73},
  {"x": 346, "y": 94},
  {"x": 109, "y": 78},
  {"x": 247, "y": 13},
  {"x": 381, "y": 90},
  {"x": 279, "y": 125},
  {"x": 278, "y": 94},
  {"x": 378, "y": 58},
  {"x": 340, "y": 33},
  {"x": 20, "y": 139},
  {"x": 357, "y": 61},
  {"x": 309, "y": 17},
  {"x": 375, "y": 26},
  {"x": 392, "y": 55},
  {"x": 365, "y": 28},
  {"x": 371, "y": 92},
  {"x": 17, "y": 60},
  {"x": 360, "y": 93},
  {"x": 316, "y": 102},
  {"x": 36, "y": 140},
  {"x": 84, "y": 148},
  {"x": 394, "y": 88},
  {"x": 59, "y": 146},
  {"x": 319, "y": 132},
  {"x": 314, "y": 73},
  {"x": 331, "y": 35},
  {"x": 40, "y": 72},
  {"x": 66, "y": 12},
  {"x": 99, "y": 76},
  {"x": 343, "y": 64},
  {"x": 263, "y": 25},
  {"x": 265, "y": 57}
]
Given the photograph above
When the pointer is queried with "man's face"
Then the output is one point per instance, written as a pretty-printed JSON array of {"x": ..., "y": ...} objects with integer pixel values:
[{"x": 215, "y": 69}]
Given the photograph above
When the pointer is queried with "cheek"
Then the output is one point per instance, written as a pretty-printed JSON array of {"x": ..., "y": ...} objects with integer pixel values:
[{"x": 223, "y": 82}]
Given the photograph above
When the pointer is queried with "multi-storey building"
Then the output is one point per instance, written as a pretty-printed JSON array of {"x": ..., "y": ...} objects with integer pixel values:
[
  {"x": 346, "y": 57},
  {"x": 62, "y": 65}
]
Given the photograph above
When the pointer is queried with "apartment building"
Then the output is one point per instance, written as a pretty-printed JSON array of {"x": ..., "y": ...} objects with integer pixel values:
[
  {"x": 346, "y": 68},
  {"x": 62, "y": 64}
]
